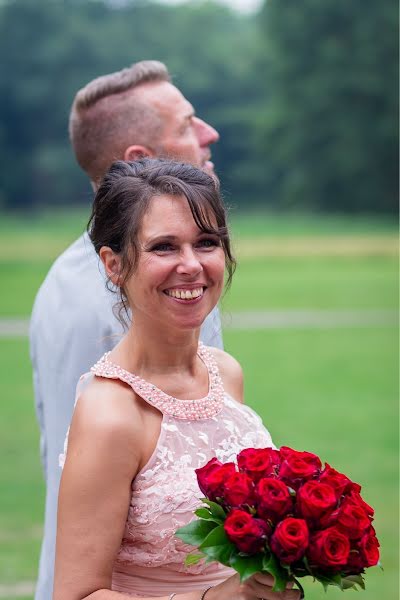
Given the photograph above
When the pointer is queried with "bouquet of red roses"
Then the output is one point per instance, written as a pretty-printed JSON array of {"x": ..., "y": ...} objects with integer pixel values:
[{"x": 282, "y": 512}]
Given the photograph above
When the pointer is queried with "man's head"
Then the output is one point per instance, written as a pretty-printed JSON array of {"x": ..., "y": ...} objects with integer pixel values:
[{"x": 134, "y": 113}]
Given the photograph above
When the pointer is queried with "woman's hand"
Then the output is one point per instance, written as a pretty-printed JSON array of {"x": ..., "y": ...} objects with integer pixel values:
[{"x": 257, "y": 587}]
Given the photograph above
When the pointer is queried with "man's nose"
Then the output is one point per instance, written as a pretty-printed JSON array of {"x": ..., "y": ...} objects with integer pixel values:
[
  {"x": 206, "y": 134},
  {"x": 189, "y": 263}
]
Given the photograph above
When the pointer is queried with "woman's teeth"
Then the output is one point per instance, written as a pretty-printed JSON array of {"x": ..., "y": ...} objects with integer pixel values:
[{"x": 185, "y": 294}]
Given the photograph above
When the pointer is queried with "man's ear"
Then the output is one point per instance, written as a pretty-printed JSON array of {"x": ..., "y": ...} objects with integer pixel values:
[
  {"x": 135, "y": 152},
  {"x": 112, "y": 264}
]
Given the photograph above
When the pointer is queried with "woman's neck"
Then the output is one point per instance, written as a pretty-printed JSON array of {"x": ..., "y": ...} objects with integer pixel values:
[{"x": 151, "y": 351}]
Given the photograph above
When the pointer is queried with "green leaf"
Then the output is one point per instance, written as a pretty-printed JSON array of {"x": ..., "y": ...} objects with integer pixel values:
[
  {"x": 353, "y": 580},
  {"x": 207, "y": 515},
  {"x": 216, "y": 537},
  {"x": 193, "y": 559},
  {"x": 195, "y": 532},
  {"x": 215, "y": 509},
  {"x": 281, "y": 577},
  {"x": 246, "y": 566},
  {"x": 217, "y": 546},
  {"x": 326, "y": 580}
]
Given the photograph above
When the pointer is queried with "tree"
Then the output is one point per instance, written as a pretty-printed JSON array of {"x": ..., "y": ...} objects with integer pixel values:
[{"x": 329, "y": 124}]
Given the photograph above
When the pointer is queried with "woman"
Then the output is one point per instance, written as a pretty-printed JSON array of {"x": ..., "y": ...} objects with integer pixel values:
[{"x": 159, "y": 405}]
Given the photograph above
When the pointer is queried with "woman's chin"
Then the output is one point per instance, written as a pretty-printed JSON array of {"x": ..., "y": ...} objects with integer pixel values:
[{"x": 188, "y": 322}]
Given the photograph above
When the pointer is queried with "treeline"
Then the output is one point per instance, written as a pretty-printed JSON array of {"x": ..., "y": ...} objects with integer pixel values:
[{"x": 304, "y": 94}]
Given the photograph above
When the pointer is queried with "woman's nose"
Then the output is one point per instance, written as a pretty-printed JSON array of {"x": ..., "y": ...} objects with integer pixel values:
[{"x": 189, "y": 263}]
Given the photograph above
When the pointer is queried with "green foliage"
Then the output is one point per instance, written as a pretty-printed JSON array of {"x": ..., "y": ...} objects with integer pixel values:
[
  {"x": 303, "y": 95},
  {"x": 195, "y": 532},
  {"x": 329, "y": 125},
  {"x": 216, "y": 546},
  {"x": 332, "y": 391},
  {"x": 208, "y": 535},
  {"x": 271, "y": 565},
  {"x": 71, "y": 42}
]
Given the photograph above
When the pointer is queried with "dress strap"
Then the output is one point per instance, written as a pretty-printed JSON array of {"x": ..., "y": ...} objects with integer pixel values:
[{"x": 193, "y": 410}]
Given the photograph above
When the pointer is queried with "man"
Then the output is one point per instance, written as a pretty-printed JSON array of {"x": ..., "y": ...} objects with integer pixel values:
[{"x": 130, "y": 114}]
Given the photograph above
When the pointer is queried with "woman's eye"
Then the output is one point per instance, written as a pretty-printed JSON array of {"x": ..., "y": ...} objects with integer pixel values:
[
  {"x": 208, "y": 243},
  {"x": 162, "y": 247}
]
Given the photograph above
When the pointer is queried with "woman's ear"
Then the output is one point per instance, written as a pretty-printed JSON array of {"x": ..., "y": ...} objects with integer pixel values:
[{"x": 112, "y": 264}]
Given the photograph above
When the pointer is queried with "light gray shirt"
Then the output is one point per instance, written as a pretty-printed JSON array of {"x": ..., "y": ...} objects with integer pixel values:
[{"x": 72, "y": 325}]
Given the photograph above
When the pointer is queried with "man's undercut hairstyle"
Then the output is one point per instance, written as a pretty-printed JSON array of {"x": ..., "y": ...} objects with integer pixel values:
[
  {"x": 107, "y": 117},
  {"x": 124, "y": 197}
]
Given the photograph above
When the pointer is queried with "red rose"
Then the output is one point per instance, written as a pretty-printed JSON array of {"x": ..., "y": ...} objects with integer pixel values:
[
  {"x": 258, "y": 462},
  {"x": 369, "y": 548},
  {"x": 339, "y": 482},
  {"x": 290, "y": 540},
  {"x": 355, "y": 498},
  {"x": 273, "y": 498},
  {"x": 238, "y": 490},
  {"x": 212, "y": 476},
  {"x": 329, "y": 548},
  {"x": 352, "y": 519},
  {"x": 297, "y": 467},
  {"x": 364, "y": 553},
  {"x": 355, "y": 562},
  {"x": 247, "y": 533},
  {"x": 315, "y": 500}
]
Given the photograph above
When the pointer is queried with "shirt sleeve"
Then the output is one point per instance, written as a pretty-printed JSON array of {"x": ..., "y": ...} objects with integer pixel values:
[{"x": 211, "y": 331}]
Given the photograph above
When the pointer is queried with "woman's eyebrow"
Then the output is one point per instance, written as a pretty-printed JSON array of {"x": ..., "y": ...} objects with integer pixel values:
[{"x": 161, "y": 237}]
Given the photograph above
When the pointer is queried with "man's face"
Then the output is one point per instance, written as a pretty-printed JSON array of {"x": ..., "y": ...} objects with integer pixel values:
[{"x": 184, "y": 136}]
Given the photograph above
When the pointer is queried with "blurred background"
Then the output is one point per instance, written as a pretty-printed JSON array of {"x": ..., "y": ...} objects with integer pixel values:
[{"x": 304, "y": 95}]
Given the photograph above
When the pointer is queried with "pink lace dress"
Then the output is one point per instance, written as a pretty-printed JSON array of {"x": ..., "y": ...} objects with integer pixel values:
[{"x": 150, "y": 561}]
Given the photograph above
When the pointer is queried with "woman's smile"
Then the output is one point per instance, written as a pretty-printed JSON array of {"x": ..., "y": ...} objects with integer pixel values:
[
  {"x": 186, "y": 294},
  {"x": 179, "y": 261}
]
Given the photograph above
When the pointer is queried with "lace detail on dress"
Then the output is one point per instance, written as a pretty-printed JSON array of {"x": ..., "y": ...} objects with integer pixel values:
[
  {"x": 202, "y": 408},
  {"x": 165, "y": 492}
]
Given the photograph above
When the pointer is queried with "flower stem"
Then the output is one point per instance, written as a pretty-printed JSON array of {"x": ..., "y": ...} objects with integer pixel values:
[{"x": 297, "y": 582}]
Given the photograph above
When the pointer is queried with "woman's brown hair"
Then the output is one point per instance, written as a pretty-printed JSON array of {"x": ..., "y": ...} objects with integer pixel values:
[{"x": 124, "y": 196}]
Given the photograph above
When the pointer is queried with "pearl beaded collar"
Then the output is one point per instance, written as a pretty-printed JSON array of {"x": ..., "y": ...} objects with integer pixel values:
[{"x": 193, "y": 410}]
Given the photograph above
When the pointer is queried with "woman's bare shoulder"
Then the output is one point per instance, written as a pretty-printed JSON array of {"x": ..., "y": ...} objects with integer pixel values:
[
  {"x": 108, "y": 407},
  {"x": 231, "y": 373}
]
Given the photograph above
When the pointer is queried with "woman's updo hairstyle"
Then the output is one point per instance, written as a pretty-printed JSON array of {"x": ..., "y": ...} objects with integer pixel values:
[{"x": 125, "y": 194}]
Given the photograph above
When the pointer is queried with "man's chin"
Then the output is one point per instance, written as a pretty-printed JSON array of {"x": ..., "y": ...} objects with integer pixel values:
[{"x": 208, "y": 166}]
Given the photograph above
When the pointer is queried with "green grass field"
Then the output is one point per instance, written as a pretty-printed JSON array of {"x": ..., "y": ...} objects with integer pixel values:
[{"x": 333, "y": 391}]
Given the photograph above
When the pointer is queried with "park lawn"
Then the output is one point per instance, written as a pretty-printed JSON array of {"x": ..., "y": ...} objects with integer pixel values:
[
  {"x": 328, "y": 391},
  {"x": 357, "y": 282},
  {"x": 283, "y": 261},
  {"x": 259, "y": 284},
  {"x": 22, "y": 488},
  {"x": 332, "y": 391}
]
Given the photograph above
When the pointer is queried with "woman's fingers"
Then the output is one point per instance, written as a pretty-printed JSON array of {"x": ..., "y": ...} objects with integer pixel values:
[
  {"x": 263, "y": 578},
  {"x": 261, "y": 586},
  {"x": 269, "y": 580}
]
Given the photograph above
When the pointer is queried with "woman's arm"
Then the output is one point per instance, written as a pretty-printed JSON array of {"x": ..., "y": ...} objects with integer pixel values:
[{"x": 102, "y": 459}]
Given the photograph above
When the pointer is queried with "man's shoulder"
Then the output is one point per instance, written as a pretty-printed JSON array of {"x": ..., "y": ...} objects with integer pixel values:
[
  {"x": 80, "y": 256},
  {"x": 75, "y": 280},
  {"x": 77, "y": 267}
]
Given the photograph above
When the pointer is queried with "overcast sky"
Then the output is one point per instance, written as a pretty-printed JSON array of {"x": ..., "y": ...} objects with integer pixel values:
[{"x": 242, "y": 5}]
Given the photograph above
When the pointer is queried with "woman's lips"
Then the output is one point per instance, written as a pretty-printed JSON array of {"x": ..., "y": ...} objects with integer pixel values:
[{"x": 186, "y": 295}]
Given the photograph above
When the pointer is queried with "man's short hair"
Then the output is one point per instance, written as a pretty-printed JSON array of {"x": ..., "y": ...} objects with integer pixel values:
[{"x": 106, "y": 117}]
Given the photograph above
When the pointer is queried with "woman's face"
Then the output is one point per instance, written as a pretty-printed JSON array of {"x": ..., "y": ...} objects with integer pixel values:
[{"x": 179, "y": 275}]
